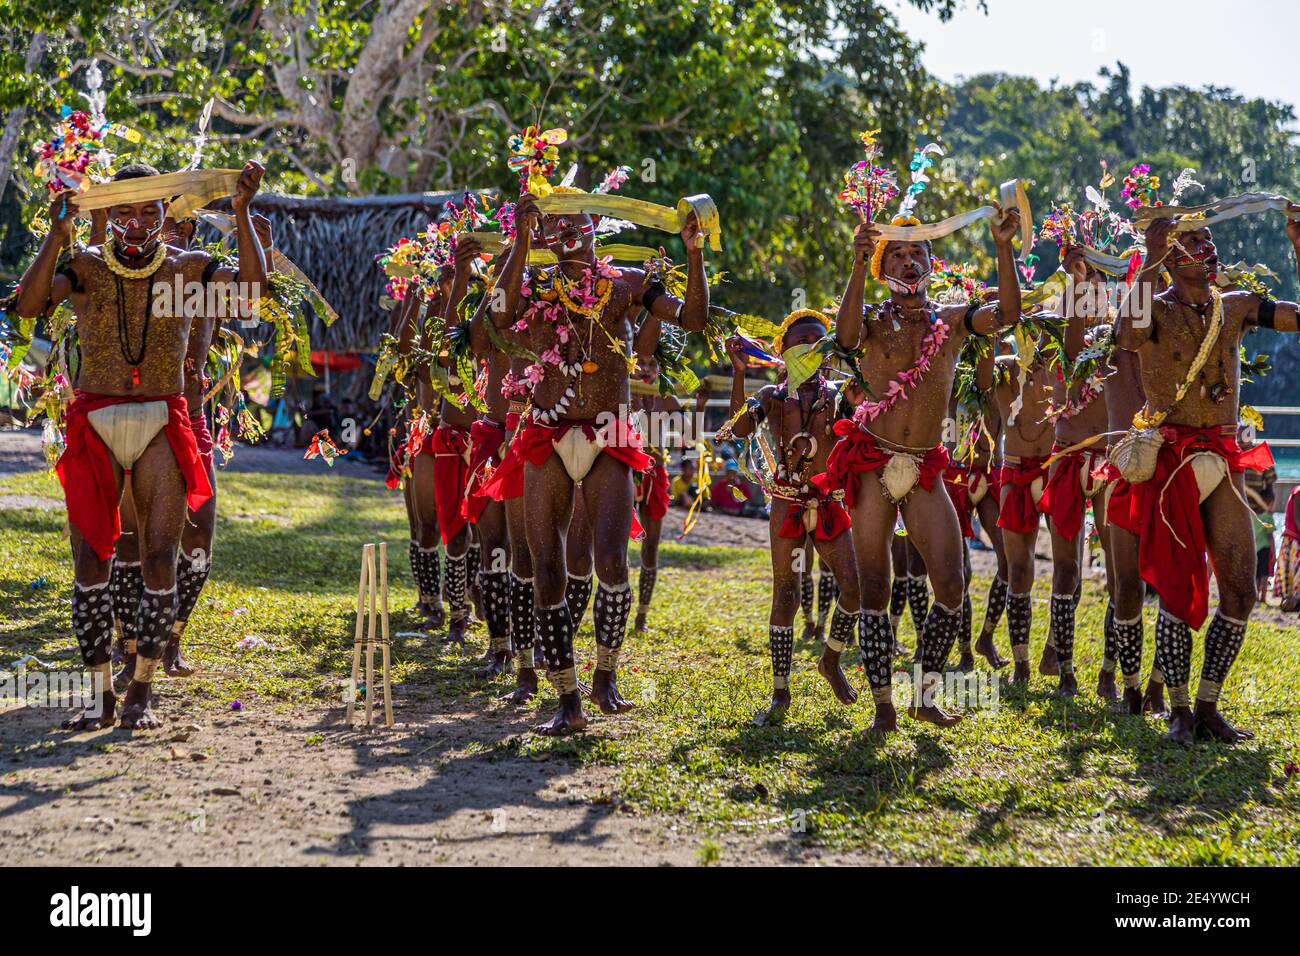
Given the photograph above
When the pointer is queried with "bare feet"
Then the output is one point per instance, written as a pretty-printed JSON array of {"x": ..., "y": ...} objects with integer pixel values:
[
  {"x": 173, "y": 662},
  {"x": 828, "y": 665},
  {"x": 1106, "y": 688},
  {"x": 775, "y": 710},
  {"x": 1020, "y": 675},
  {"x": 434, "y": 615},
  {"x": 119, "y": 651},
  {"x": 604, "y": 693},
  {"x": 525, "y": 687},
  {"x": 1133, "y": 701},
  {"x": 932, "y": 714},
  {"x": 967, "y": 660},
  {"x": 986, "y": 647},
  {"x": 455, "y": 633},
  {"x": 809, "y": 632},
  {"x": 886, "y": 721},
  {"x": 136, "y": 714},
  {"x": 1068, "y": 685},
  {"x": 639, "y": 625},
  {"x": 97, "y": 717},
  {"x": 1209, "y": 724},
  {"x": 1153, "y": 702},
  {"x": 1181, "y": 725},
  {"x": 497, "y": 663},
  {"x": 1048, "y": 665},
  {"x": 126, "y": 672},
  {"x": 567, "y": 720}
]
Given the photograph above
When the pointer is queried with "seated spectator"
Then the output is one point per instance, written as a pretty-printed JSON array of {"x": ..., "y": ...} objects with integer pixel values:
[
  {"x": 684, "y": 486},
  {"x": 729, "y": 492}
]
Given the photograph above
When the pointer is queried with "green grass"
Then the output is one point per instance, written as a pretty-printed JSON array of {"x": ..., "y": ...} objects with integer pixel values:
[{"x": 1036, "y": 780}]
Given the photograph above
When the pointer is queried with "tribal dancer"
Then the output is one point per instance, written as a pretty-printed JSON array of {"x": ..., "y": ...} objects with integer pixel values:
[
  {"x": 419, "y": 491},
  {"x": 194, "y": 562},
  {"x": 1023, "y": 397},
  {"x": 579, "y": 319},
  {"x": 981, "y": 491},
  {"x": 911, "y": 350},
  {"x": 801, "y": 426},
  {"x": 1080, "y": 425},
  {"x": 652, "y": 485},
  {"x": 129, "y": 423},
  {"x": 1193, "y": 500}
]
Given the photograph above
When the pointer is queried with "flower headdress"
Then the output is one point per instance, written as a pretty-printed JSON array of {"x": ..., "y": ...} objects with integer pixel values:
[
  {"x": 958, "y": 280},
  {"x": 868, "y": 187},
  {"x": 535, "y": 156}
]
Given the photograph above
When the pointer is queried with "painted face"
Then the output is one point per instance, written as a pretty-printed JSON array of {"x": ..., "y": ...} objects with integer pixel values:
[
  {"x": 178, "y": 232},
  {"x": 136, "y": 227},
  {"x": 648, "y": 368},
  {"x": 906, "y": 267},
  {"x": 1195, "y": 256},
  {"x": 569, "y": 235}
]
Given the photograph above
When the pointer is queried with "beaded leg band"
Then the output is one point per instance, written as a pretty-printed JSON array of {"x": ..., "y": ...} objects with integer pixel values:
[
  {"x": 613, "y": 604},
  {"x": 553, "y": 630},
  {"x": 897, "y": 600},
  {"x": 876, "y": 641},
  {"x": 154, "y": 624},
  {"x": 1223, "y": 642},
  {"x": 918, "y": 601},
  {"x": 942, "y": 625},
  {"x": 843, "y": 624},
  {"x": 1128, "y": 649},
  {"x": 997, "y": 605},
  {"x": 428, "y": 575},
  {"x": 577, "y": 594},
  {"x": 495, "y": 589},
  {"x": 1109, "y": 650},
  {"x": 457, "y": 602},
  {"x": 646, "y": 588},
  {"x": 126, "y": 582},
  {"x": 780, "y": 645},
  {"x": 191, "y": 575},
  {"x": 806, "y": 595},
  {"x": 1020, "y": 619},
  {"x": 827, "y": 593},
  {"x": 1063, "y": 629},
  {"x": 522, "y": 631},
  {"x": 1174, "y": 656},
  {"x": 92, "y": 622}
]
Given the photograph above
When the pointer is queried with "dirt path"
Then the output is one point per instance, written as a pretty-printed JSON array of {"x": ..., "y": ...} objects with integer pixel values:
[{"x": 268, "y": 788}]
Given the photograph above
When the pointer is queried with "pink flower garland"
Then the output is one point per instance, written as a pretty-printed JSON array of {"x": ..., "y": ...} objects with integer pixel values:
[{"x": 907, "y": 380}]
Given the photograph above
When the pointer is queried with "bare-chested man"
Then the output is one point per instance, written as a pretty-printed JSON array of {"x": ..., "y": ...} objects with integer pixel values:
[
  {"x": 803, "y": 505},
  {"x": 130, "y": 422},
  {"x": 909, "y": 362},
  {"x": 580, "y": 324},
  {"x": 194, "y": 562},
  {"x": 1193, "y": 503}
]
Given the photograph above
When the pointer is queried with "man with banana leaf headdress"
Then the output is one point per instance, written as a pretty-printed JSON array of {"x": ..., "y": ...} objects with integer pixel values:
[
  {"x": 129, "y": 423},
  {"x": 1181, "y": 458},
  {"x": 578, "y": 316},
  {"x": 907, "y": 359}
]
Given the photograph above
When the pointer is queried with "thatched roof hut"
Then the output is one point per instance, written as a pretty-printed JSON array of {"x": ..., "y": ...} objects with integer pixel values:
[{"x": 335, "y": 241}]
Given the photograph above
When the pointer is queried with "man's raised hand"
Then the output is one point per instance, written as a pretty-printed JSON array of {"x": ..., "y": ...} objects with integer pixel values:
[
  {"x": 1006, "y": 225},
  {"x": 527, "y": 216},
  {"x": 864, "y": 241},
  {"x": 1157, "y": 238},
  {"x": 1293, "y": 224},
  {"x": 249, "y": 180},
  {"x": 62, "y": 211},
  {"x": 735, "y": 351},
  {"x": 692, "y": 234}
]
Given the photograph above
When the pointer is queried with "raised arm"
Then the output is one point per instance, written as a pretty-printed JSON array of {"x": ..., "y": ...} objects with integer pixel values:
[
  {"x": 1282, "y": 316},
  {"x": 1006, "y": 311},
  {"x": 40, "y": 287},
  {"x": 252, "y": 259},
  {"x": 1132, "y": 329},
  {"x": 467, "y": 251},
  {"x": 506, "y": 293},
  {"x": 848, "y": 322}
]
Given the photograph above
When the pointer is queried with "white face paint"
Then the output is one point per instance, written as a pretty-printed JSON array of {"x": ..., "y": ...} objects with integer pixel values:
[{"x": 120, "y": 230}]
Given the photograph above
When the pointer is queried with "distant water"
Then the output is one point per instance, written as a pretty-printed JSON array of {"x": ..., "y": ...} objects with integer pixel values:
[{"x": 1288, "y": 462}]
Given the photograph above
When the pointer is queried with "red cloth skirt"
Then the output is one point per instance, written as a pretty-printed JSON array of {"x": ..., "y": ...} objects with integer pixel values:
[
  {"x": 1165, "y": 515},
  {"x": 652, "y": 489},
  {"x": 85, "y": 468},
  {"x": 857, "y": 452},
  {"x": 1017, "y": 509},
  {"x": 832, "y": 517},
  {"x": 448, "y": 444},
  {"x": 485, "y": 440},
  {"x": 1062, "y": 498},
  {"x": 956, "y": 478}
]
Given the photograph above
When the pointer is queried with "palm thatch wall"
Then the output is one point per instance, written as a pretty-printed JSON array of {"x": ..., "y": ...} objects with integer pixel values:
[{"x": 335, "y": 241}]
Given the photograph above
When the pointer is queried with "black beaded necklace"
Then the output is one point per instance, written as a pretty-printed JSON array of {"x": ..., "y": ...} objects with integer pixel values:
[{"x": 133, "y": 359}]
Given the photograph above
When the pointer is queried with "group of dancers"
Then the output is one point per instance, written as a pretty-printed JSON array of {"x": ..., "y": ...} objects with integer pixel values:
[{"x": 522, "y": 356}]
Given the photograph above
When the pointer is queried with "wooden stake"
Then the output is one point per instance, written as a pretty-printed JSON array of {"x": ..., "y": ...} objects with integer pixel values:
[
  {"x": 386, "y": 646},
  {"x": 370, "y": 636},
  {"x": 356, "y": 639}
]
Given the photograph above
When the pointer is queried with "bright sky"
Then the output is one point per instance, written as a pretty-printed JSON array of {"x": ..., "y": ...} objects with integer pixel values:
[{"x": 1248, "y": 45}]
